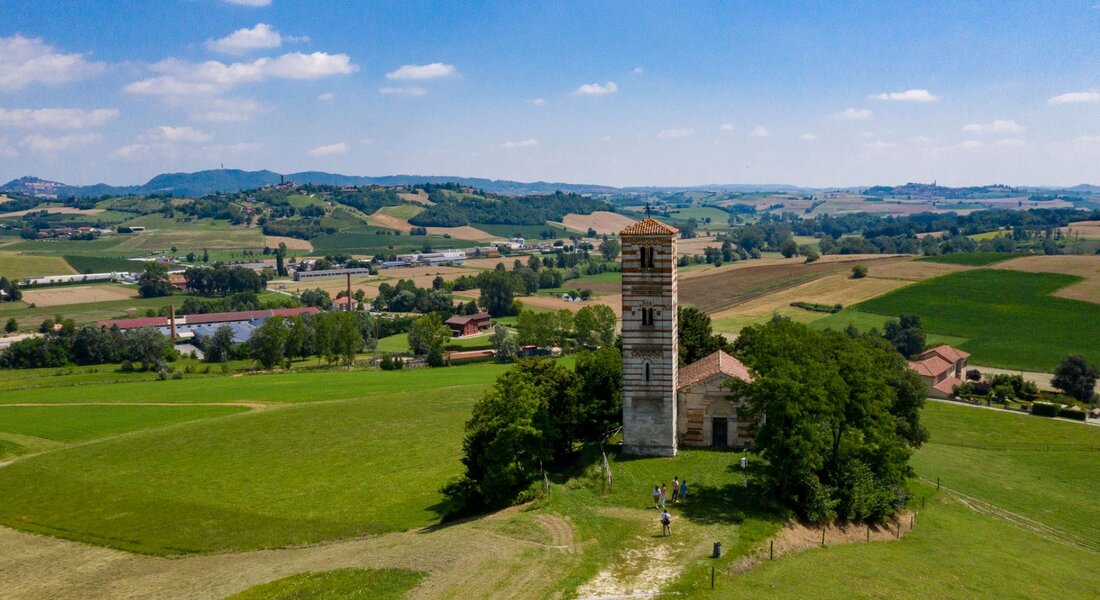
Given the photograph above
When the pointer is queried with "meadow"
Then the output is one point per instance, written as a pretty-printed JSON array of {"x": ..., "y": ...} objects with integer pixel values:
[
  {"x": 16, "y": 266},
  {"x": 338, "y": 584},
  {"x": 1010, "y": 318},
  {"x": 972, "y": 259}
]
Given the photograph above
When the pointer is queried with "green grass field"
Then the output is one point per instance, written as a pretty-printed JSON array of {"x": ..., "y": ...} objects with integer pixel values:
[
  {"x": 368, "y": 243},
  {"x": 865, "y": 321},
  {"x": 101, "y": 264},
  {"x": 82, "y": 423},
  {"x": 17, "y": 266},
  {"x": 340, "y": 584},
  {"x": 1009, "y": 318},
  {"x": 403, "y": 211},
  {"x": 973, "y": 259}
]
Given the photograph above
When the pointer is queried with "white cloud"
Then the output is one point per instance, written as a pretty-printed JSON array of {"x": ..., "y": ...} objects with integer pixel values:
[
  {"x": 596, "y": 89},
  {"x": 669, "y": 134},
  {"x": 726, "y": 127},
  {"x": 6, "y": 148},
  {"x": 402, "y": 91},
  {"x": 326, "y": 96},
  {"x": 759, "y": 132},
  {"x": 1075, "y": 98},
  {"x": 537, "y": 101},
  {"x": 638, "y": 71},
  {"x": 41, "y": 144},
  {"x": 808, "y": 137},
  {"x": 853, "y": 114},
  {"x": 906, "y": 96},
  {"x": 25, "y": 61},
  {"x": 879, "y": 145},
  {"x": 133, "y": 152},
  {"x": 329, "y": 150},
  {"x": 56, "y": 118},
  {"x": 218, "y": 150},
  {"x": 255, "y": 3},
  {"x": 214, "y": 77},
  {"x": 177, "y": 134},
  {"x": 998, "y": 126},
  {"x": 242, "y": 41},
  {"x": 1011, "y": 143},
  {"x": 528, "y": 143},
  {"x": 366, "y": 141},
  {"x": 429, "y": 71},
  {"x": 918, "y": 139}
]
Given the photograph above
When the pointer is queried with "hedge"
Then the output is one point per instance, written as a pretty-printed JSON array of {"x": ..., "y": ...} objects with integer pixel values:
[
  {"x": 1044, "y": 409},
  {"x": 1076, "y": 415}
]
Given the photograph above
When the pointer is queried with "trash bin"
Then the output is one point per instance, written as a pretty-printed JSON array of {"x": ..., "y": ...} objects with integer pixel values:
[{"x": 717, "y": 550}]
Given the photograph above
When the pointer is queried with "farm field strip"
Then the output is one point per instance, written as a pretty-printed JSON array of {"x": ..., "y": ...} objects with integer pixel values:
[
  {"x": 82, "y": 294},
  {"x": 15, "y": 266}
]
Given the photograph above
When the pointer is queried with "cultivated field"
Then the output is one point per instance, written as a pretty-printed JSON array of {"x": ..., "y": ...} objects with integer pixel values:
[
  {"x": 602, "y": 221},
  {"x": 1086, "y": 267},
  {"x": 15, "y": 266},
  {"x": 60, "y": 210},
  {"x": 397, "y": 218},
  {"x": 1089, "y": 230},
  {"x": 696, "y": 245},
  {"x": 81, "y": 294},
  {"x": 273, "y": 241}
]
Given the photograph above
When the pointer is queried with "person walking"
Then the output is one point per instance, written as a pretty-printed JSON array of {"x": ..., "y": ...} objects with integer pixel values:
[
  {"x": 656, "y": 496},
  {"x": 664, "y": 495},
  {"x": 684, "y": 490},
  {"x": 666, "y": 523},
  {"x": 676, "y": 489}
]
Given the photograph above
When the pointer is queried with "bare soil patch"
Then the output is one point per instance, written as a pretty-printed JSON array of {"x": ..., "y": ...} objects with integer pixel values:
[
  {"x": 78, "y": 295},
  {"x": 915, "y": 270},
  {"x": 465, "y": 232},
  {"x": 381, "y": 219},
  {"x": 273, "y": 241},
  {"x": 723, "y": 288},
  {"x": 419, "y": 197},
  {"x": 602, "y": 221}
]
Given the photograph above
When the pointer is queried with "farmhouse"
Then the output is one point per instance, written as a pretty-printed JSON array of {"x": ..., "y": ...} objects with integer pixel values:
[
  {"x": 468, "y": 324},
  {"x": 187, "y": 326},
  {"x": 941, "y": 369}
]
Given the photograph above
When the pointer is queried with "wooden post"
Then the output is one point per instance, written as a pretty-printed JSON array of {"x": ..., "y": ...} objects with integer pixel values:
[
  {"x": 771, "y": 551},
  {"x": 897, "y": 535},
  {"x": 868, "y": 533},
  {"x": 712, "y": 578},
  {"x": 937, "y": 483}
]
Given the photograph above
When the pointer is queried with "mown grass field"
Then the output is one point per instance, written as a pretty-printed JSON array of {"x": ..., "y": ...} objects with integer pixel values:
[
  {"x": 16, "y": 266},
  {"x": 82, "y": 423},
  {"x": 1010, "y": 318},
  {"x": 339, "y": 584}
]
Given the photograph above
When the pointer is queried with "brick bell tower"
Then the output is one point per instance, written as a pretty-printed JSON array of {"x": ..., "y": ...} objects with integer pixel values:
[{"x": 650, "y": 351}]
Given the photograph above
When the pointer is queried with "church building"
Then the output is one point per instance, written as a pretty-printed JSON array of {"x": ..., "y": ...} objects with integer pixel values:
[{"x": 664, "y": 407}]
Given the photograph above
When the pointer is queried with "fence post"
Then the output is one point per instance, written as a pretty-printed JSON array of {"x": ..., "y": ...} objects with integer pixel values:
[
  {"x": 712, "y": 578},
  {"x": 868, "y": 533},
  {"x": 937, "y": 483},
  {"x": 771, "y": 551}
]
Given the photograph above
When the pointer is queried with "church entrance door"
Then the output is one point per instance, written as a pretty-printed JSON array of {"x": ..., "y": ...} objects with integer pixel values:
[{"x": 719, "y": 432}]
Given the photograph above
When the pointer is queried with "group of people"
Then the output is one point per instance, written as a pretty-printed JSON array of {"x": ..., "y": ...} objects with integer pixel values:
[{"x": 660, "y": 498}]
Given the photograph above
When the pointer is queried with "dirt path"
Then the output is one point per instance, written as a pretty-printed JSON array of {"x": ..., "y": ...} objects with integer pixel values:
[{"x": 465, "y": 560}]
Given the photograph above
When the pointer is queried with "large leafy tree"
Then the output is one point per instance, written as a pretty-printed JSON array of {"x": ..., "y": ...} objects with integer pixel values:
[
  {"x": 1076, "y": 377},
  {"x": 600, "y": 409},
  {"x": 595, "y": 325},
  {"x": 154, "y": 281},
  {"x": 498, "y": 290},
  {"x": 427, "y": 336},
  {"x": 697, "y": 338},
  {"x": 906, "y": 333},
  {"x": 838, "y": 417},
  {"x": 268, "y": 342}
]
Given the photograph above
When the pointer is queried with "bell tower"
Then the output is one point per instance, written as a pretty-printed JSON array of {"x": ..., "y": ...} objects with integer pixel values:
[{"x": 650, "y": 351}]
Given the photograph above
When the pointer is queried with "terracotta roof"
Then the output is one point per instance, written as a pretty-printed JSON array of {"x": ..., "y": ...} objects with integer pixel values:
[
  {"x": 649, "y": 226},
  {"x": 945, "y": 352},
  {"x": 932, "y": 366},
  {"x": 226, "y": 317},
  {"x": 136, "y": 323},
  {"x": 464, "y": 319},
  {"x": 718, "y": 363},
  {"x": 947, "y": 386}
]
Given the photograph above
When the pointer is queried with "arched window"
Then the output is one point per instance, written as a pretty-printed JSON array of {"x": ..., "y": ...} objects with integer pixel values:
[
  {"x": 647, "y": 316},
  {"x": 645, "y": 256},
  {"x": 651, "y": 263},
  {"x": 642, "y": 257},
  {"x": 647, "y": 371}
]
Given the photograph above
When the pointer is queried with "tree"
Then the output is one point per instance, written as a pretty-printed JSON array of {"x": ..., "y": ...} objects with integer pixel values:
[
  {"x": 600, "y": 400},
  {"x": 610, "y": 248},
  {"x": 595, "y": 325},
  {"x": 11, "y": 326},
  {"x": 843, "y": 415},
  {"x": 906, "y": 334},
  {"x": 315, "y": 297},
  {"x": 859, "y": 271},
  {"x": 498, "y": 289},
  {"x": 428, "y": 335},
  {"x": 697, "y": 338},
  {"x": 504, "y": 343},
  {"x": 219, "y": 346},
  {"x": 537, "y": 328},
  {"x": 347, "y": 340},
  {"x": 280, "y": 260},
  {"x": 788, "y": 248},
  {"x": 145, "y": 346},
  {"x": 1076, "y": 377},
  {"x": 154, "y": 282},
  {"x": 268, "y": 342}
]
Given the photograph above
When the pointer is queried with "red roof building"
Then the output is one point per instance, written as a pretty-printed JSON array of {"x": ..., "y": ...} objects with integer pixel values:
[
  {"x": 468, "y": 324},
  {"x": 705, "y": 414},
  {"x": 941, "y": 368}
]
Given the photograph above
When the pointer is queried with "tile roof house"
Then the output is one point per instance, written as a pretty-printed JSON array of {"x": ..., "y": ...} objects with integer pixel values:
[
  {"x": 941, "y": 368},
  {"x": 705, "y": 416},
  {"x": 468, "y": 324}
]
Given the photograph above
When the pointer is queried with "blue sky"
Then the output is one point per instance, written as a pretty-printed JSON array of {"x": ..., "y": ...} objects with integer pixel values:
[{"x": 620, "y": 93}]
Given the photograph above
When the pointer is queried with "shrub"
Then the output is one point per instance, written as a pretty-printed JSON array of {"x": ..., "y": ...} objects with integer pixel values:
[
  {"x": 824, "y": 308},
  {"x": 973, "y": 375},
  {"x": 177, "y": 375},
  {"x": 1072, "y": 413},
  {"x": 1044, "y": 409},
  {"x": 859, "y": 271}
]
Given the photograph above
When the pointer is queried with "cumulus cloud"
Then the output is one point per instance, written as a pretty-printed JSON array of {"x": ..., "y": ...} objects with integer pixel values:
[
  {"x": 537, "y": 101},
  {"x": 638, "y": 71},
  {"x": 428, "y": 71},
  {"x": 242, "y": 41},
  {"x": 254, "y": 3},
  {"x": 906, "y": 96},
  {"x": 726, "y": 127},
  {"x": 759, "y": 132},
  {"x": 329, "y": 150},
  {"x": 998, "y": 126},
  {"x": 40, "y": 144},
  {"x": 214, "y": 77},
  {"x": 597, "y": 89},
  {"x": 853, "y": 114},
  {"x": 808, "y": 137},
  {"x": 177, "y": 134},
  {"x": 1076, "y": 98},
  {"x": 668, "y": 134},
  {"x": 326, "y": 96},
  {"x": 56, "y": 118},
  {"x": 527, "y": 143},
  {"x": 402, "y": 91},
  {"x": 26, "y": 61}
]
